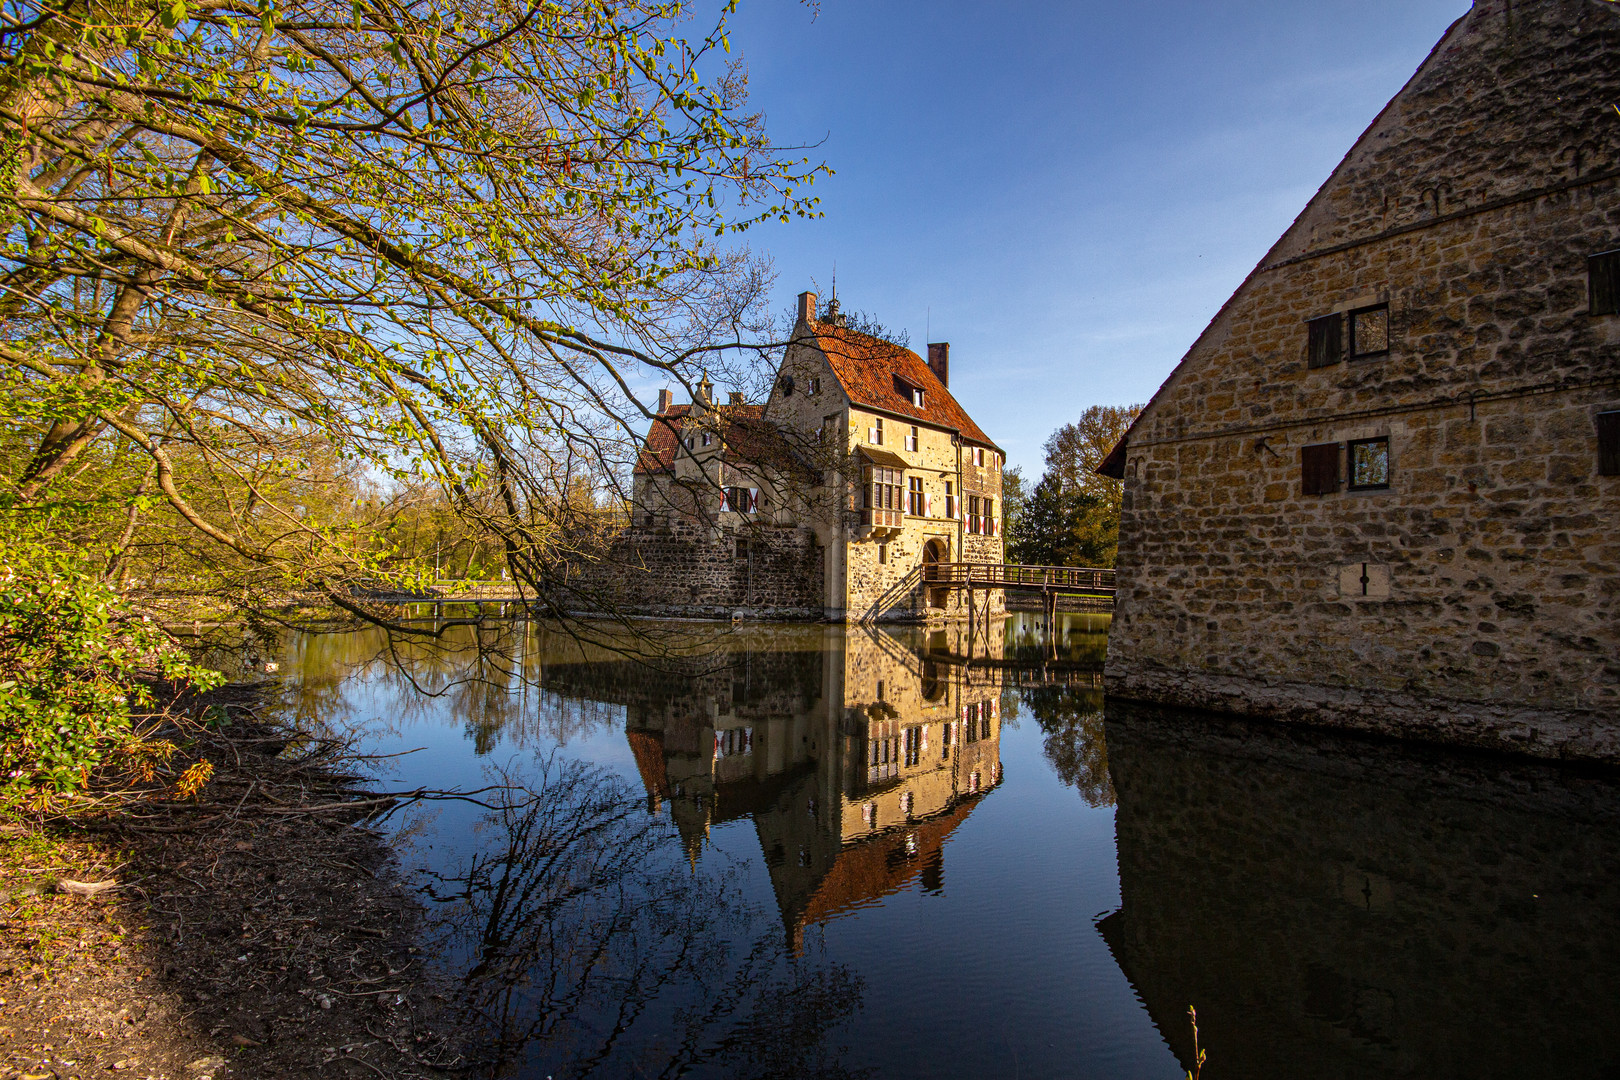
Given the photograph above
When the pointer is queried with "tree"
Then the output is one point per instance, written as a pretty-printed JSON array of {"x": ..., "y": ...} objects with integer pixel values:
[
  {"x": 266, "y": 267},
  {"x": 1088, "y": 503}
]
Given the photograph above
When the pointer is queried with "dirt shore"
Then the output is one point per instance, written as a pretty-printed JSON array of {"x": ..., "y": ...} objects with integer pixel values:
[{"x": 258, "y": 933}]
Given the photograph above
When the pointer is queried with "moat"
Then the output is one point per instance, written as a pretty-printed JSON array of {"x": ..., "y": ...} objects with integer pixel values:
[{"x": 829, "y": 852}]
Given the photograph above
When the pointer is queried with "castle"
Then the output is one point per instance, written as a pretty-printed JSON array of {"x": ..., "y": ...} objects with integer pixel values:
[{"x": 828, "y": 501}]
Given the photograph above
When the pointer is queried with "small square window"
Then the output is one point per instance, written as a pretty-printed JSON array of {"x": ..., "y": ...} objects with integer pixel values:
[
  {"x": 1369, "y": 464},
  {"x": 1603, "y": 283},
  {"x": 1369, "y": 332},
  {"x": 815, "y": 384},
  {"x": 883, "y": 557}
]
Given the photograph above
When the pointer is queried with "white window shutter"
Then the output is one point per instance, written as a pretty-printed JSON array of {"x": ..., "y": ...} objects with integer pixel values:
[
  {"x": 753, "y": 500},
  {"x": 928, "y": 505},
  {"x": 724, "y": 501}
]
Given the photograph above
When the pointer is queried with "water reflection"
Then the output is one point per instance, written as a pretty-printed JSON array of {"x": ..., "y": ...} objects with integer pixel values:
[
  {"x": 582, "y": 937},
  {"x": 1337, "y": 907}
]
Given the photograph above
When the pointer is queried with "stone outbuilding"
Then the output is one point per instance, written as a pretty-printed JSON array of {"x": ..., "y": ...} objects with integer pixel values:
[
  {"x": 1382, "y": 489},
  {"x": 859, "y": 472}
]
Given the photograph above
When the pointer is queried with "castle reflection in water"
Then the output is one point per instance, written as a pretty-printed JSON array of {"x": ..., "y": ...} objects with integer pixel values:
[{"x": 855, "y": 755}]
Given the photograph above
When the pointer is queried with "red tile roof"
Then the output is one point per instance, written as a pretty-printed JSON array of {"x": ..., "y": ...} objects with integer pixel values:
[
  {"x": 867, "y": 367},
  {"x": 658, "y": 452}
]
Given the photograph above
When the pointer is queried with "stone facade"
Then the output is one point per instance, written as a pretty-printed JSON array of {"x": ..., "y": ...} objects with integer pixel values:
[
  {"x": 843, "y": 404},
  {"x": 698, "y": 571},
  {"x": 1470, "y": 590}
]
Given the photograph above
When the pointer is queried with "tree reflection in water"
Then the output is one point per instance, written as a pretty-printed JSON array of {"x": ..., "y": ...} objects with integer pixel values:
[
  {"x": 581, "y": 941},
  {"x": 1072, "y": 722}
]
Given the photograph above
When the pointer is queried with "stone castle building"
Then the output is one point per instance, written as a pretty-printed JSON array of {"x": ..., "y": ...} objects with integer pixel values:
[
  {"x": 830, "y": 500},
  {"x": 1382, "y": 489}
]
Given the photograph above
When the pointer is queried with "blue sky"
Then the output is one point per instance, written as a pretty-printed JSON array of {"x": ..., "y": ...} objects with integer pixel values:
[{"x": 1066, "y": 192}]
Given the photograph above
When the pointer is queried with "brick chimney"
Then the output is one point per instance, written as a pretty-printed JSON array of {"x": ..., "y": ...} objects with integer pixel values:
[
  {"x": 735, "y": 397},
  {"x": 807, "y": 307},
  {"x": 666, "y": 399},
  {"x": 939, "y": 361}
]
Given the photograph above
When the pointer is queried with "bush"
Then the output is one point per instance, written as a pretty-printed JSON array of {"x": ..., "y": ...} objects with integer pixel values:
[{"x": 75, "y": 667}]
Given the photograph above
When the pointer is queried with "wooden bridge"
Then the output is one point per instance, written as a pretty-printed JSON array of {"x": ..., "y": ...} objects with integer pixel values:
[{"x": 1049, "y": 582}]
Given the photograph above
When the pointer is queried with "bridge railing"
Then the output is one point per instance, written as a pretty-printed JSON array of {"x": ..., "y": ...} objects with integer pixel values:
[{"x": 1015, "y": 575}]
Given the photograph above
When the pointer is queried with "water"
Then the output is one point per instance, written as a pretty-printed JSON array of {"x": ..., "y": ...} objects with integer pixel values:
[{"x": 805, "y": 851}]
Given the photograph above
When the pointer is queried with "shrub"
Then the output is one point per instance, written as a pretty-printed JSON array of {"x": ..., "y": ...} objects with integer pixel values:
[{"x": 75, "y": 667}]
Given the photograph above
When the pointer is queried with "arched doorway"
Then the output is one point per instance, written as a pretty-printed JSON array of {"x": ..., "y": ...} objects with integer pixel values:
[{"x": 934, "y": 553}]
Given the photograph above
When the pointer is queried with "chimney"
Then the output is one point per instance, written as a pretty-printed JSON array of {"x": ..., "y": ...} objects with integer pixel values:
[
  {"x": 666, "y": 400},
  {"x": 939, "y": 361},
  {"x": 735, "y": 397},
  {"x": 807, "y": 307}
]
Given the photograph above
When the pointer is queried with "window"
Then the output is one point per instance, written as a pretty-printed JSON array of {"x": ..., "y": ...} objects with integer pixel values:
[
  {"x": 989, "y": 515},
  {"x": 1369, "y": 332},
  {"x": 950, "y": 500},
  {"x": 1324, "y": 341},
  {"x": 917, "y": 396},
  {"x": 882, "y": 489},
  {"x": 786, "y": 383},
  {"x": 914, "y": 496},
  {"x": 973, "y": 514},
  {"x": 742, "y": 549},
  {"x": 1369, "y": 464},
  {"x": 911, "y": 440},
  {"x": 913, "y": 746},
  {"x": 1319, "y": 469},
  {"x": 741, "y": 500},
  {"x": 1603, "y": 284},
  {"x": 708, "y": 437},
  {"x": 883, "y": 554},
  {"x": 874, "y": 434},
  {"x": 978, "y": 456},
  {"x": 815, "y": 385},
  {"x": 1608, "y": 428}
]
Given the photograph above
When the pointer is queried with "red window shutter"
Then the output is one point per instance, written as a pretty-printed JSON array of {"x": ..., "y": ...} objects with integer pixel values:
[
  {"x": 1319, "y": 469},
  {"x": 1608, "y": 429},
  {"x": 1325, "y": 348}
]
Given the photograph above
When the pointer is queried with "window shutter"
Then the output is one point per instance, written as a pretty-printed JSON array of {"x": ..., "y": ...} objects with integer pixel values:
[
  {"x": 753, "y": 500},
  {"x": 1325, "y": 349},
  {"x": 1608, "y": 428},
  {"x": 1603, "y": 284},
  {"x": 1319, "y": 469},
  {"x": 725, "y": 500},
  {"x": 928, "y": 505}
]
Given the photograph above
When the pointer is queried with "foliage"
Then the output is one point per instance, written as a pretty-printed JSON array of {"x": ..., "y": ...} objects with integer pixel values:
[
  {"x": 73, "y": 661},
  {"x": 1074, "y": 741},
  {"x": 274, "y": 276},
  {"x": 1072, "y": 516},
  {"x": 1058, "y": 528}
]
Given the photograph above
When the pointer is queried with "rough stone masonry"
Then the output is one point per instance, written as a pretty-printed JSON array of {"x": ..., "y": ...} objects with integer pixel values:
[{"x": 1376, "y": 493}]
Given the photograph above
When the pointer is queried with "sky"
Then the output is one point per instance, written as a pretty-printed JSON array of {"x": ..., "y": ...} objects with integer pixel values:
[{"x": 1065, "y": 192}]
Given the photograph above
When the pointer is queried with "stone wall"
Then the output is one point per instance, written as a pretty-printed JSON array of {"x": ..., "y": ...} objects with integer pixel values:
[
  {"x": 689, "y": 570},
  {"x": 1491, "y": 610}
]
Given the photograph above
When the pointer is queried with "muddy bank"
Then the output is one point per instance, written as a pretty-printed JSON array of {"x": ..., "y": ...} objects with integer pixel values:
[{"x": 259, "y": 931}]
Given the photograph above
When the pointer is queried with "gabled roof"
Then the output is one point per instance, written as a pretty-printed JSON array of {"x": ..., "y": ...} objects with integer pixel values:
[
  {"x": 867, "y": 369},
  {"x": 663, "y": 437}
]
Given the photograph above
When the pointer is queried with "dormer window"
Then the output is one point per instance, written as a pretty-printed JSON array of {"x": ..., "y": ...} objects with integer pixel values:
[{"x": 917, "y": 396}]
